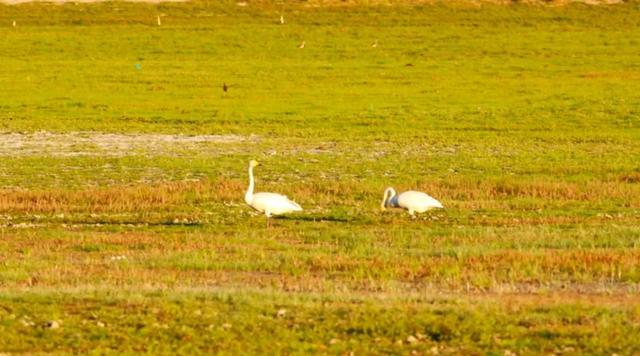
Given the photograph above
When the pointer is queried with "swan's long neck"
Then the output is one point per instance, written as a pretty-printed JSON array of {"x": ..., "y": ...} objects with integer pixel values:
[
  {"x": 248, "y": 196},
  {"x": 389, "y": 193}
]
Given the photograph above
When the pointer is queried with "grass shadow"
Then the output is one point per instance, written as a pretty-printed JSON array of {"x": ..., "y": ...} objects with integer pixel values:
[{"x": 137, "y": 223}]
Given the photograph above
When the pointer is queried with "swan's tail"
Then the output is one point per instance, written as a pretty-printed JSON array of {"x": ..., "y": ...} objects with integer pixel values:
[
  {"x": 437, "y": 204},
  {"x": 296, "y": 206}
]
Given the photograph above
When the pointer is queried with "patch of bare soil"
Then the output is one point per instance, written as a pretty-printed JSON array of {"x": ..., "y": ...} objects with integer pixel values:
[
  {"x": 12, "y": 2},
  {"x": 74, "y": 144}
]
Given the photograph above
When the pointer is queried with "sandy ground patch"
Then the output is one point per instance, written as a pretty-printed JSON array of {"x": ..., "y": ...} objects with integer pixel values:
[
  {"x": 74, "y": 144},
  {"x": 13, "y": 2}
]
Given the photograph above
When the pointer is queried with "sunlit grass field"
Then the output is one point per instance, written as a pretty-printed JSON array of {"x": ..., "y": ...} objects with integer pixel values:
[{"x": 123, "y": 166}]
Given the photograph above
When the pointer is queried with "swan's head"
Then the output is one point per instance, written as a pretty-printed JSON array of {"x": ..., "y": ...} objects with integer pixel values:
[
  {"x": 388, "y": 194},
  {"x": 253, "y": 163}
]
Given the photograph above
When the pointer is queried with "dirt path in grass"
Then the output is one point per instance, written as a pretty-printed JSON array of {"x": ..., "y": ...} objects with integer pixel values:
[
  {"x": 12, "y": 2},
  {"x": 75, "y": 144}
]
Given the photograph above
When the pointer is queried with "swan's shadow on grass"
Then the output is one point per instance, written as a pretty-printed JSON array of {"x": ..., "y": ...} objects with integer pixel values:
[{"x": 314, "y": 218}]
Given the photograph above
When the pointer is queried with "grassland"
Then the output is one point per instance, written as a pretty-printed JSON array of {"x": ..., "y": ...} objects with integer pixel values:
[{"x": 122, "y": 226}]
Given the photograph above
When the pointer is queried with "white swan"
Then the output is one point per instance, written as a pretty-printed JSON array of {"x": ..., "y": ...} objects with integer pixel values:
[
  {"x": 268, "y": 203},
  {"x": 414, "y": 202}
]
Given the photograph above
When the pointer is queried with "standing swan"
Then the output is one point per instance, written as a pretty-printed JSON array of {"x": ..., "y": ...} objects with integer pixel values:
[
  {"x": 414, "y": 202},
  {"x": 268, "y": 203}
]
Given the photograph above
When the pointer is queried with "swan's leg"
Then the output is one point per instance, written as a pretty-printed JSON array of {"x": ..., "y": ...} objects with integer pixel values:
[
  {"x": 268, "y": 215},
  {"x": 412, "y": 213}
]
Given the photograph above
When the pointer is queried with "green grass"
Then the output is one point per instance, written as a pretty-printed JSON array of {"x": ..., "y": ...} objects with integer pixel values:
[
  {"x": 522, "y": 119},
  {"x": 233, "y": 322}
]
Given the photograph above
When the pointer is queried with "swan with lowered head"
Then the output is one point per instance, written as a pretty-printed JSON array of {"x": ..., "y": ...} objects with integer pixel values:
[
  {"x": 411, "y": 200},
  {"x": 268, "y": 203}
]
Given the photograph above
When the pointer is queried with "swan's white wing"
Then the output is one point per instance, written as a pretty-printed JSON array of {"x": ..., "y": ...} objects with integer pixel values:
[
  {"x": 274, "y": 203},
  {"x": 417, "y": 201}
]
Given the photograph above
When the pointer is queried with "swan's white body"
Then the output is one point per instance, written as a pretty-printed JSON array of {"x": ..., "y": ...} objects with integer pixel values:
[
  {"x": 268, "y": 203},
  {"x": 412, "y": 201}
]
